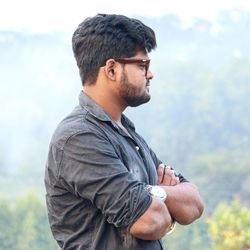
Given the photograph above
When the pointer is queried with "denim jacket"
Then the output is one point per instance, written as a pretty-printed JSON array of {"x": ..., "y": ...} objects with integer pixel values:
[{"x": 95, "y": 181}]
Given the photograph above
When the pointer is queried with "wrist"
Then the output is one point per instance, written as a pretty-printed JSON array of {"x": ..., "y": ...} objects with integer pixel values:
[{"x": 157, "y": 191}]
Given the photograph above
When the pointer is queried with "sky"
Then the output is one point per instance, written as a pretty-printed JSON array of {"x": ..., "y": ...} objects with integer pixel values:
[
  {"x": 45, "y": 16},
  {"x": 36, "y": 16}
]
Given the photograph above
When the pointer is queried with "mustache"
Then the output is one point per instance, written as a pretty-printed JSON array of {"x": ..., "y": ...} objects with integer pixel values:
[{"x": 148, "y": 83}]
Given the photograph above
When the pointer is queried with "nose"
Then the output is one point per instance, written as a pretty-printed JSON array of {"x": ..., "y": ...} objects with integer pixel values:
[{"x": 149, "y": 75}]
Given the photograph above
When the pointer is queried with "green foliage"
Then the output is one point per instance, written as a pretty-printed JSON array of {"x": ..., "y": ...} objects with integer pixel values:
[
  {"x": 7, "y": 229},
  {"x": 221, "y": 175},
  {"x": 24, "y": 224},
  {"x": 189, "y": 237},
  {"x": 229, "y": 227}
]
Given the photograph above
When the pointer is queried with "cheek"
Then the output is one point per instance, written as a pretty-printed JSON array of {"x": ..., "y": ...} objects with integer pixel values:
[{"x": 137, "y": 82}]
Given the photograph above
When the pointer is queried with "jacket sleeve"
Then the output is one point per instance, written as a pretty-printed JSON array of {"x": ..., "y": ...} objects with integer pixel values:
[{"x": 91, "y": 169}]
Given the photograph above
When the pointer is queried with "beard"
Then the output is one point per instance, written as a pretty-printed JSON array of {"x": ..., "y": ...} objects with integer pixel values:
[{"x": 133, "y": 94}]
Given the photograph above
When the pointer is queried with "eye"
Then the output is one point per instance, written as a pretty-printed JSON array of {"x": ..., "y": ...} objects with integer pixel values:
[{"x": 143, "y": 66}]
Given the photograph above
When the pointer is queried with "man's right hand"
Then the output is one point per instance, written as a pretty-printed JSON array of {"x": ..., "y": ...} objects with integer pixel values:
[{"x": 166, "y": 176}]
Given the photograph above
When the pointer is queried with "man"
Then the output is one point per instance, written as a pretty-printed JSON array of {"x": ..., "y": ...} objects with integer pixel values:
[{"x": 106, "y": 189}]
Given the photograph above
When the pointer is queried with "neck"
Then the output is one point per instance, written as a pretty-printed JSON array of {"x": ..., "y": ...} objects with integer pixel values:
[{"x": 106, "y": 101}]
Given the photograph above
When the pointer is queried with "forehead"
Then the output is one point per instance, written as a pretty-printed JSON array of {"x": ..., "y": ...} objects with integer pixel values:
[{"x": 141, "y": 55}]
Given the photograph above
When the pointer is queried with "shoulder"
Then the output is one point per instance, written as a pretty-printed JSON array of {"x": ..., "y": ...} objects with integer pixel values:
[{"x": 79, "y": 121}]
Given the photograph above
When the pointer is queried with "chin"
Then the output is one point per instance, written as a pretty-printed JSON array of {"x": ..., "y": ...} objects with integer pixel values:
[{"x": 139, "y": 101}]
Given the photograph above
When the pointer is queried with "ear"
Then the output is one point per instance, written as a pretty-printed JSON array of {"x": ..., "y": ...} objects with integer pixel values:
[{"x": 110, "y": 69}]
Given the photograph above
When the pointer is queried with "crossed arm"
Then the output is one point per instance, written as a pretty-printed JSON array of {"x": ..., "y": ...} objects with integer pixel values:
[{"x": 183, "y": 204}]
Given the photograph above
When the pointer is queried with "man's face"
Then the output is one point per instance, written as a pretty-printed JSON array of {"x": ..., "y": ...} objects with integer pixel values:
[
  {"x": 134, "y": 85},
  {"x": 134, "y": 94}
]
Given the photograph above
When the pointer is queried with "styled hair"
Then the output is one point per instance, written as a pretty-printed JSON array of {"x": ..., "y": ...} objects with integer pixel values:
[{"x": 105, "y": 36}]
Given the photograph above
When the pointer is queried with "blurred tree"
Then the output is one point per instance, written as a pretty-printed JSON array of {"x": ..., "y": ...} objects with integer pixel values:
[
  {"x": 34, "y": 232},
  {"x": 24, "y": 224},
  {"x": 7, "y": 229},
  {"x": 221, "y": 175},
  {"x": 189, "y": 237},
  {"x": 229, "y": 227}
]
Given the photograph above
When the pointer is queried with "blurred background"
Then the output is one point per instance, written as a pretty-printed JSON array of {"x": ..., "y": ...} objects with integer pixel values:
[{"x": 198, "y": 119}]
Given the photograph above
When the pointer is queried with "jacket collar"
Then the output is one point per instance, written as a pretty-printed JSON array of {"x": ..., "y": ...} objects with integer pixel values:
[
  {"x": 95, "y": 110},
  {"x": 92, "y": 107}
]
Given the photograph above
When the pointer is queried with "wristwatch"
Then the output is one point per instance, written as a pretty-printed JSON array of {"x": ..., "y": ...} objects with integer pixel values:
[{"x": 157, "y": 191}]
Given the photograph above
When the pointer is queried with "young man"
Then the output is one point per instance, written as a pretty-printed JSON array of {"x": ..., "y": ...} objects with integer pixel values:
[{"x": 106, "y": 189}]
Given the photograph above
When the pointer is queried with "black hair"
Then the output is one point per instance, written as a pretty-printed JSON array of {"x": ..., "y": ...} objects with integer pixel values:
[{"x": 106, "y": 36}]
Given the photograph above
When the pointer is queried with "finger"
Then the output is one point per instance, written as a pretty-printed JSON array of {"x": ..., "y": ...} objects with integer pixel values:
[
  {"x": 170, "y": 177},
  {"x": 167, "y": 176},
  {"x": 167, "y": 167},
  {"x": 174, "y": 181},
  {"x": 177, "y": 180},
  {"x": 172, "y": 170},
  {"x": 160, "y": 173},
  {"x": 169, "y": 171}
]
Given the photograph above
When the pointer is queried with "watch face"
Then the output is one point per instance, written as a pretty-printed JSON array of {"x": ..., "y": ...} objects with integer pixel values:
[{"x": 159, "y": 192}]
